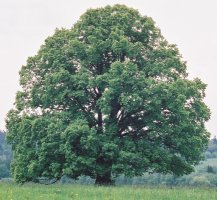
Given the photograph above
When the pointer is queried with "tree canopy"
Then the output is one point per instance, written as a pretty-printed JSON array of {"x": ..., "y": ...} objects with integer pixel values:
[{"x": 109, "y": 96}]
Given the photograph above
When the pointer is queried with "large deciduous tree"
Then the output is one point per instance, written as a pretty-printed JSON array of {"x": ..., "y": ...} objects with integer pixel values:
[{"x": 109, "y": 96}]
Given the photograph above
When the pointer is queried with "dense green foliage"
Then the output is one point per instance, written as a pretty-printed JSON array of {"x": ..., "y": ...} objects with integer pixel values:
[
  {"x": 76, "y": 192},
  {"x": 5, "y": 157},
  {"x": 108, "y": 97}
]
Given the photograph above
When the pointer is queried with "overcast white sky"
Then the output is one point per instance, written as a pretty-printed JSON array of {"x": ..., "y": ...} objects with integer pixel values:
[{"x": 25, "y": 24}]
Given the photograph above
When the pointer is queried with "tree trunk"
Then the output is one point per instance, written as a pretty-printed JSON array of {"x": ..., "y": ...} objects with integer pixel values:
[
  {"x": 104, "y": 176},
  {"x": 104, "y": 179}
]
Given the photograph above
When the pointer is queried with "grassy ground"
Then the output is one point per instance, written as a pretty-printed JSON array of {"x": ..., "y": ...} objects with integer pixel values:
[{"x": 76, "y": 192}]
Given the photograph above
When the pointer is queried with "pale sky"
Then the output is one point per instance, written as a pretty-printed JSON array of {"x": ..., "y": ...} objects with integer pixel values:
[{"x": 25, "y": 24}]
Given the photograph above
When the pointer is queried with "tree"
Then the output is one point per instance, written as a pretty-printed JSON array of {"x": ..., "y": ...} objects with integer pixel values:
[
  {"x": 212, "y": 145},
  {"x": 109, "y": 96}
]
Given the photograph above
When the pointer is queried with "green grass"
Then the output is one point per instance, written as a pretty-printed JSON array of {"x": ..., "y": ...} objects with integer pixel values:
[{"x": 77, "y": 192}]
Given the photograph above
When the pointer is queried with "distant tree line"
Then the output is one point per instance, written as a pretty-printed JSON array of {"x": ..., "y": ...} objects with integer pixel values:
[
  {"x": 212, "y": 149},
  {"x": 5, "y": 156}
]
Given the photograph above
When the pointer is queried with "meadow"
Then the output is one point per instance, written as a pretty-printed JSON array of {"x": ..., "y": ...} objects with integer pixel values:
[{"x": 11, "y": 191}]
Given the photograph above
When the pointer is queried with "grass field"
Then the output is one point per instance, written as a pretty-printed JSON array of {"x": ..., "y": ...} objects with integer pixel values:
[{"x": 77, "y": 192}]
